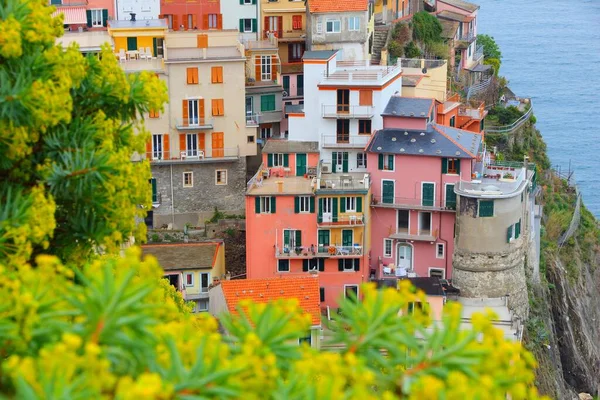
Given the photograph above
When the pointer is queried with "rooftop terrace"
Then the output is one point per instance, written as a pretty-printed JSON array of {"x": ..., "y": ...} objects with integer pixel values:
[
  {"x": 277, "y": 181},
  {"x": 497, "y": 180},
  {"x": 359, "y": 72}
]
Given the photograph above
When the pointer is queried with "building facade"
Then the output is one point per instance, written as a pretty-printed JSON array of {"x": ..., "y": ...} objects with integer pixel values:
[
  {"x": 90, "y": 15},
  {"x": 244, "y": 16},
  {"x": 192, "y": 15},
  {"x": 144, "y": 9}
]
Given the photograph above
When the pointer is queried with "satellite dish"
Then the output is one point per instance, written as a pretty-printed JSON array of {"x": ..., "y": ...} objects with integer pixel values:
[{"x": 424, "y": 70}]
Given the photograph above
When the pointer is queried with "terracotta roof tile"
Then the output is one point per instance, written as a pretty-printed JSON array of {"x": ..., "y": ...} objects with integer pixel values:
[
  {"x": 305, "y": 289},
  {"x": 175, "y": 256},
  {"x": 326, "y": 6}
]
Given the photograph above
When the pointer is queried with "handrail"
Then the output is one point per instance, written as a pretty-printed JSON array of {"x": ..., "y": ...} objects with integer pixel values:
[
  {"x": 473, "y": 90},
  {"x": 515, "y": 125}
]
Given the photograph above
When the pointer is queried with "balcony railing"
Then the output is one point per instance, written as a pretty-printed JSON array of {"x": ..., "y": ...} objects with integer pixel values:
[
  {"x": 192, "y": 154},
  {"x": 478, "y": 56},
  {"x": 68, "y": 3},
  {"x": 252, "y": 120},
  {"x": 323, "y": 251},
  {"x": 411, "y": 203},
  {"x": 346, "y": 111},
  {"x": 338, "y": 220},
  {"x": 349, "y": 183},
  {"x": 350, "y": 141},
  {"x": 474, "y": 113},
  {"x": 194, "y": 123},
  {"x": 467, "y": 36}
]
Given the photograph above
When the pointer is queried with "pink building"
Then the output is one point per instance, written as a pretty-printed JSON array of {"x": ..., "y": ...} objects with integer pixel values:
[
  {"x": 414, "y": 165},
  {"x": 85, "y": 14}
]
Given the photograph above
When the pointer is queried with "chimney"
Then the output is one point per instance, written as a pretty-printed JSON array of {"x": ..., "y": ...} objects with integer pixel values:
[
  {"x": 132, "y": 17},
  {"x": 280, "y": 186}
]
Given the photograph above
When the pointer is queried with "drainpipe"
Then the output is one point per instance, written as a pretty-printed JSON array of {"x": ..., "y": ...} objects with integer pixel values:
[
  {"x": 445, "y": 249},
  {"x": 172, "y": 200}
]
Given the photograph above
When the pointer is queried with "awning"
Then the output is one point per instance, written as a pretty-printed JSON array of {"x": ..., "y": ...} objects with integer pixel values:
[{"x": 73, "y": 15}]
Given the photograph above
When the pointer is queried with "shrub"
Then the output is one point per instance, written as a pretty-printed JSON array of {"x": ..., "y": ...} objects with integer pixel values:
[
  {"x": 401, "y": 33},
  {"x": 426, "y": 28},
  {"x": 395, "y": 49},
  {"x": 411, "y": 50}
]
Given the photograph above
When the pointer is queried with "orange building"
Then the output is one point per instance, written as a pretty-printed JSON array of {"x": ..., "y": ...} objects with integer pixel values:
[
  {"x": 456, "y": 114},
  {"x": 196, "y": 14}
]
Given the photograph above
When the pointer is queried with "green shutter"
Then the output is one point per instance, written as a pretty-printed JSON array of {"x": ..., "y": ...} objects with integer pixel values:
[
  {"x": 298, "y": 238},
  {"x": 427, "y": 195},
  {"x": 335, "y": 209},
  {"x": 380, "y": 164},
  {"x": 273, "y": 205},
  {"x": 305, "y": 265},
  {"x": 322, "y": 266},
  {"x": 340, "y": 264},
  {"x": 254, "y": 24},
  {"x": 257, "y": 205},
  {"x": 154, "y": 193},
  {"x": 357, "y": 264},
  {"x": 296, "y": 205},
  {"x": 334, "y": 162},
  {"x": 347, "y": 237},
  {"x": 312, "y": 205},
  {"x": 286, "y": 160},
  {"x": 253, "y": 1},
  {"x": 444, "y": 165},
  {"x": 320, "y": 212},
  {"x": 132, "y": 43},
  {"x": 359, "y": 204},
  {"x": 286, "y": 239},
  {"x": 486, "y": 208},
  {"x": 450, "y": 197},
  {"x": 343, "y": 204},
  {"x": 88, "y": 15},
  {"x": 518, "y": 229},
  {"x": 269, "y": 160},
  {"x": 391, "y": 162},
  {"x": 344, "y": 162},
  {"x": 104, "y": 17},
  {"x": 387, "y": 192},
  {"x": 241, "y": 21},
  {"x": 241, "y": 2},
  {"x": 509, "y": 234},
  {"x": 457, "y": 163}
]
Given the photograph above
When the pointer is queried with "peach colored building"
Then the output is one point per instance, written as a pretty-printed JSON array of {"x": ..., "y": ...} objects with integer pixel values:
[
  {"x": 414, "y": 165},
  {"x": 192, "y": 15},
  {"x": 88, "y": 15}
]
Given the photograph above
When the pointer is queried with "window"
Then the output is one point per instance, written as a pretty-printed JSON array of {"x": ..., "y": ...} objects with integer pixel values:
[
  {"x": 387, "y": 248},
  {"x": 343, "y": 131},
  {"x": 218, "y": 108},
  {"x": 351, "y": 291},
  {"x": 188, "y": 179},
  {"x": 248, "y": 2},
  {"x": 154, "y": 191},
  {"x": 365, "y": 97},
  {"x": 364, "y": 126},
  {"x": 470, "y": 50},
  {"x": 453, "y": 121},
  {"x": 191, "y": 140},
  {"x": 306, "y": 339},
  {"x": 265, "y": 68},
  {"x": 333, "y": 26},
  {"x": 319, "y": 25},
  {"x": 204, "y": 281},
  {"x": 247, "y": 25},
  {"x": 189, "y": 279},
  {"x": 216, "y": 74},
  {"x": 264, "y": 205},
  {"x": 339, "y": 160},
  {"x": 193, "y": 111},
  {"x": 295, "y": 52},
  {"x": 427, "y": 194},
  {"x": 353, "y": 23},
  {"x": 157, "y": 147},
  {"x": 304, "y": 204},
  {"x": 296, "y": 22},
  {"x": 292, "y": 240},
  {"x": 424, "y": 223},
  {"x": 286, "y": 85},
  {"x": 267, "y": 102},
  {"x": 450, "y": 197},
  {"x": 192, "y": 76},
  {"x": 361, "y": 160},
  {"x": 278, "y": 160},
  {"x": 386, "y": 162},
  {"x": 153, "y": 114},
  {"x": 212, "y": 21},
  {"x": 343, "y": 101},
  {"x": 350, "y": 204},
  {"x": 486, "y": 208},
  {"x": 451, "y": 166},
  {"x": 513, "y": 232},
  {"x": 283, "y": 266},
  {"x": 300, "y": 86},
  {"x": 349, "y": 264},
  {"x": 321, "y": 294},
  {"x": 323, "y": 236},
  {"x": 250, "y": 139},
  {"x": 440, "y": 250},
  {"x": 436, "y": 273},
  {"x": 265, "y": 132},
  {"x": 221, "y": 177},
  {"x": 403, "y": 221},
  {"x": 388, "y": 191},
  {"x": 97, "y": 18},
  {"x": 202, "y": 305}
]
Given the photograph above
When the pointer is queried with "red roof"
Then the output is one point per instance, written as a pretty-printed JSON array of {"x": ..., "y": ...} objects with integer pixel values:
[
  {"x": 326, "y": 6},
  {"x": 305, "y": 289}
]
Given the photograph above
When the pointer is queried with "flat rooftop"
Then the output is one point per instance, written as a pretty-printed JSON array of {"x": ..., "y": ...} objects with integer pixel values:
[
  {"x": 343, "y": 182},
  {"x": 291, "y": 185},
  {"x": 212, "y": 53},
  {"x": 360, "y": 72},
  {"x": 87, "y": 41},
  {"x": 138, "y": 24},
  {"x": 497, "y": 180}
]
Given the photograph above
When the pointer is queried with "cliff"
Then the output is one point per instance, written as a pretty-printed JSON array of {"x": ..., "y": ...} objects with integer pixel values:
[{"x": 563, "y": 328}]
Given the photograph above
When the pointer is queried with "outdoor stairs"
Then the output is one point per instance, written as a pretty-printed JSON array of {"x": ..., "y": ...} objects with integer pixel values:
[
  {"x": 379, "y": 40},
  {"x": 508, "y": 323}
]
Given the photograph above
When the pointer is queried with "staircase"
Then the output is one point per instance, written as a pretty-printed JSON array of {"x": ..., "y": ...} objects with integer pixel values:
[{"x": 379, "y": 41}]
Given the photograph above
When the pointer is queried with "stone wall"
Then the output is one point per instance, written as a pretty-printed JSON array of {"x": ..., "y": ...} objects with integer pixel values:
[
  {"x": 196, "y": 204},
  {"x": 219, "y": 228},
  {"x": 489, "y": 274}
]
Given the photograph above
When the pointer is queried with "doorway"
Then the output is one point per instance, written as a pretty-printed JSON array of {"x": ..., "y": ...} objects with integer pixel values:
[{"x": 404, "y": 256}]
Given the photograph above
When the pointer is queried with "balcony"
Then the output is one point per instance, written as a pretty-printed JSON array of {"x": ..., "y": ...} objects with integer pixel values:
[
  {"x": 206, "y": 155},
  {"x": 324, "y": 251},
  {"x": 478, "y": 56},
  {"x": 343, "y": 182},
  {"x": 467, "y": 37},
  {"x": 352, "y": 142},
  {"x": 424, "y": 235},
  {"x": 252, "y": 120},
  {"x": 193, "y": 123},
  {"x": 153, "y": 64},
  {"x": 409, "y": 203},
  {"x": 269, "y": 117},
  {"x": 345, "y": 111},
  {"x": 341, "y": 221},
  {"x": 473, "y": 113},
  {"x": 497, "y": 180},
  {"x": 268, "y": 43},
  {"x": 68, "y": 3}
]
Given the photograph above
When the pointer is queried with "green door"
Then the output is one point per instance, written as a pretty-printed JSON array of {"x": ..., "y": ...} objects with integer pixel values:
[
  {"x": 300, "y": 164},
  {"x": 450, "y": 197},
  {"x": 387, "y": 195},
  {"x": 427, "y": 195},
  {"x": 347, "y": 237},
  {"x": 132, "y": 43},
  {"x": 344, "y": 162},
  {"x": 323, "y": 240}
]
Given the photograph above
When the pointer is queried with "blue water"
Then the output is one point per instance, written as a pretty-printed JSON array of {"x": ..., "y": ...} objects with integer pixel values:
[{"x": 551, "y": 53}]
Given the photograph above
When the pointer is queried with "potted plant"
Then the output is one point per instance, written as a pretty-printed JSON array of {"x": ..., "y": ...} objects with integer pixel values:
[
  {"x": 508, "y": 175},
  {"x": 298, "y": 250}
]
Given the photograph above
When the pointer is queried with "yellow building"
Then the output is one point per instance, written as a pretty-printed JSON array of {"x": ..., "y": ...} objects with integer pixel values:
[
  {"x": 287, "y": 20},
  {"x": 191, "y": 267}
]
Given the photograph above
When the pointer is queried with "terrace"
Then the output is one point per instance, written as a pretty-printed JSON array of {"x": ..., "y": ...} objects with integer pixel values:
[
  {"x": 360, "y": 72},
  {"x": 497, "y": 180},
  {"x": 193, "y": 155},
  {"x": 308, "y": 252},
  {"x": 349, "y": 142},
  {"x": 412, "y": 203},
  {"x": 342, "y": 182},
  {"x": 149, "y": 64},
  {"x": 263, "y": 183}
]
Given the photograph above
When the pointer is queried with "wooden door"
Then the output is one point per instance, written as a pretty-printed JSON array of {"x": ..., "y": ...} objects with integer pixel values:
[{"x": 217, "y": 144}]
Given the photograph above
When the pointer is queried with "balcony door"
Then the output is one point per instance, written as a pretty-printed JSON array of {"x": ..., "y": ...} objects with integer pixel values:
[
  {"x": 192, "y": 145},
  {"x": 347, "y": 237},
  {"x": 404, "y": 256},
  {"x": 343, "y": 131},
  {"x": 343, "y": 101},
  {"x": 387, "y": 192},
  {"x": 300, "y": 164},
  {"x": 217, "y": 144},
  {"x": 157, "y": 147}
]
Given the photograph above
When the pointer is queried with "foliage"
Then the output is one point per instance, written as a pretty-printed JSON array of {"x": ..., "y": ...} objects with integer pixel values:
[
  {"x": 401, "y": 33},
  {"x": 506, "y": 115},
  {"x": 84, "y": 325},
  {"x": 494, "y": 62},
  {"x": 426, "y": 28},
  {"x": 490, "y": 47},
  {"x": 411, "y": 50},
  {"x": 395, "y": 49},
  {"x": 438, "y": 50}
]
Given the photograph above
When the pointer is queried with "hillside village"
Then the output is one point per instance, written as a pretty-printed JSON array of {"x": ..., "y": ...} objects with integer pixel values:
[{"x": 356, "y": 154}]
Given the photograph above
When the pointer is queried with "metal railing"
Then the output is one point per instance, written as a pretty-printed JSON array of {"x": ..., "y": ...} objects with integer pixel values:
[
  {"x": 411, "y": 202},
  {"x": 341, "y": 220},
  {"x": 350, "y": 141},
  {"x": 478, "y": 88},
  {"x": 515, "y": 125},
  {"x": 318, "y": 251},
  {"x": 346, "y": 111},
  {"x": 478, "y": 56},
  {"x": 467, "y": 36},
  {"x": 193, "y": 154},
  {"x": 325, "y": 183},
  {"x": 194, "y": 123},
  {"x": 420, "y": 63}
]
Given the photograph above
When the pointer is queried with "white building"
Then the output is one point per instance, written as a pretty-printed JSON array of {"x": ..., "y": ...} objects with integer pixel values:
[
  {"x": 347, "y": 99},
  {"x": 143, "y": 9},
  {"x": 243, "y": 16}
]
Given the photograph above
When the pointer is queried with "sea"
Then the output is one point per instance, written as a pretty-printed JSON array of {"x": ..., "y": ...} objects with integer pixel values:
[{"x": 551, "y": 53}]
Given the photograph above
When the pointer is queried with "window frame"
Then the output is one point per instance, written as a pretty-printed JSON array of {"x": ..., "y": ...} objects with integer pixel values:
[
  {"x": 186, "y": 275},
  {"x": 246, "y": 20},
  {"x": 202, "y": 301},
  {"x": 479, "y": 208},
  {"x": 202, "y": 274},
  {"x": 346, "y": 286},
  {"x": 266, "y": 68},
  {"x": 350, "y": 203},
  {"x": 213, "y": 21},
  {"x": 361, "y": 160},
  {"x": 355, "y": 25},
  {"x": 281, "y": 262},
  {"x": 436, "y": 269},
  {"x": 454, "y": 170},
  {"x": 437, "y": 250},
  {"x": 278, "y": 160},
  {"x": 385, "y": 252},
  {"x": 190, "y": 184},
  {"x": 347, "y": 261},
  {"x": 420, "y": 228},
  {"x": 304, "y": 204},
  {"x": 95, "y": 11},
  {"x": 158, "y": 146},
  {"x": 334, "y": 23},
  {"x": 363, "y": 124},
  {"x": 423, "y": 183},
  {"x": 223, "y": 182},
  {"x": 265, "y": 204}
]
